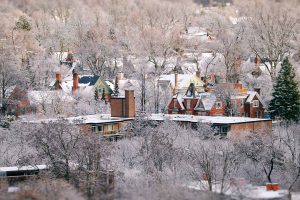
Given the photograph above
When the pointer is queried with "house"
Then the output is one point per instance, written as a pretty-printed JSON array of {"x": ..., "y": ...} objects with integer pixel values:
[
  {"x": 108, "y": 125},
  {"x": 21, "y": 101},
  {"x": 241, "y": 102},
  {"x": 123, "y": 84},
  {"x": 179, "y": 83},
  {"x": 82, "y": 84},
  {"x": 223, "y": 126}
]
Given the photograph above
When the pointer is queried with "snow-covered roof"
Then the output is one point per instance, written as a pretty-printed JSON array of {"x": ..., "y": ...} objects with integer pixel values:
[
  {"x": 38, "y": 97},
  {"x": 29, "y": 167},
  {"x": 252, "y": 94},
  {"x": 127, "y": 84},
  {"x": 206, "y": 101},
  {"x": 194, "y": 31},
  {"x": 204, "y": 119},
  {"x": 97, "y": 119},
  {"x": 86, "y": 119},
  {"x": 85, "y": 83},
  {"x": 110, "y": 84},
  {"x": 179, "y": 98},
  {"x": 184, "y": 80},
  {"x": 61, "y": 55}
]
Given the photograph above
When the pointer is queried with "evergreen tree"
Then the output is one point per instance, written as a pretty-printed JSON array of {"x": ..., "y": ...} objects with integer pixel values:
[
  {"x": 96, "y": 95},
  {"x": 286, "y": 96},
  {"x": 103, "y": 94},
  {"x": 116, "y": 91}
]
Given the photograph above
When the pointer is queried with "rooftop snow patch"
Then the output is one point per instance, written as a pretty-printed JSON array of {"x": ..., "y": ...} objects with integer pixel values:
[{"x": 204, "y": 119}]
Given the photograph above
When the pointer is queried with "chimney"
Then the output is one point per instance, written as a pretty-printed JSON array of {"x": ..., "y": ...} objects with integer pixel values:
[
  {"x": 58, "y": 80},
  {"x": 129, "y": 103},
  {"x": 176, "y": 80},
  {"x": 75, "y": 82},
  {"x": 257, "y": 90},
  {"x": 198, "y": 73},
  {"x": 257, "y": 60}
]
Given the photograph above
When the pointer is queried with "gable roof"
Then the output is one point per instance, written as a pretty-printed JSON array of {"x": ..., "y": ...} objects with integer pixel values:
[
  {"x": 179, "y": 98},
  {"x": 86, "y": 83},
  {"x": 205, "y": 102},
  {"x": 184, "y": 80},
  {"x": 88, "y": 79},
  {"x": 251, "y": 95}
]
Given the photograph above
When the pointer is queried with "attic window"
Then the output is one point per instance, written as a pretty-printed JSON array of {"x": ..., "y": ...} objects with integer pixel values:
[
  {"x": 255, "y": 103},
  {"x": 218, "y": 105},
  {"x": 188, "y": 104},
  {"x": 175, "y": 103}
]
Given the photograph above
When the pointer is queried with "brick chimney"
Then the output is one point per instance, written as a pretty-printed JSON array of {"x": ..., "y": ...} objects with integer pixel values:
[
  {"x": 176, "y": 80},
  {"x": 58, "y": 80},
  {"x": 129, "y": 103},
  {"x": 123, "y": 107},
  {"x": 257, "y": 60},
  {"x": 75, "y": 82}
]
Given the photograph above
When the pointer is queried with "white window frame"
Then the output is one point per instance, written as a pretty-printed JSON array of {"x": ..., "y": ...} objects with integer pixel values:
[
  {"x": 100, "y": 128},
  {"x": 255, "y": 103},
  {"x": 219, "y": 105},
  {"x": 110, "y": 126},
  {"x": 257, "y": 114},
  {"x": 175, "y": 103},
  {"x": 188, "y": 104},
  {"x": 94, "y": 129}
]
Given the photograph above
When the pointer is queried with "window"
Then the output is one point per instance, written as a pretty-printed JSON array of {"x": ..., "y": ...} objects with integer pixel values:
[
  {"x": 100, "y": 128},
  {"x": 94, "y": 129},
  {"x": 110, "y": 127},
  {"x": 219, "y": 105},
  {"x": 257, "y": 114},
  {"x": 222, "y": 130},
  {"x": 188, "y": 104},
  {"x": 175, "y": 103},
  {"x": 97, "y": 128},
  {"x": 255, "y": 103}
]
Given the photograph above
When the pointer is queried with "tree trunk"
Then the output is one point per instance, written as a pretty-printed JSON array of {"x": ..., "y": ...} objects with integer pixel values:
[{"x": 143, "y": 98}]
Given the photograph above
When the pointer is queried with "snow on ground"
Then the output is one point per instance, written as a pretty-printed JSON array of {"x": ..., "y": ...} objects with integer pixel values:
[{"x": 246, "y": 190}]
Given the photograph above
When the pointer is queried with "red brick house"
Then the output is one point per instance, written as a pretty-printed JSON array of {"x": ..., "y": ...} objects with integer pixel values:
[{"x": 242, "y": 103}]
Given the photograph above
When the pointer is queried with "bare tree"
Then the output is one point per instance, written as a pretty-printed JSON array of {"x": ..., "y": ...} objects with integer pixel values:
[
  {"x": 264, "y": 150},
  {"x": 271, "y": 30}
]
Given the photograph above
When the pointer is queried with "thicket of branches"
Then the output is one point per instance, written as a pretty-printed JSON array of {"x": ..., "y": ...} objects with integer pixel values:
[{"x": 145, "y": 34}]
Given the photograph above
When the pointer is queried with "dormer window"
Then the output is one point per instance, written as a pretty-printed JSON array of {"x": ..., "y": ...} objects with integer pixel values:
[
  {"x": 255, "y": 103},
  {"x": 175, "y": 103},
  {"x": 219, "y": 105},
  {"x": 188, "y": 104}
]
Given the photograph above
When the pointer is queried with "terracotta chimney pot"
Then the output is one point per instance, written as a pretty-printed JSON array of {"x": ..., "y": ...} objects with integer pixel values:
[
  {"x": 58, "y": 80},
  {"x": 75, "y": 82}
]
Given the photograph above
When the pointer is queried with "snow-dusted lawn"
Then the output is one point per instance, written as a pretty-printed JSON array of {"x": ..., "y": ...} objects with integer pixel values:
[{"x": 248, "y": 191}]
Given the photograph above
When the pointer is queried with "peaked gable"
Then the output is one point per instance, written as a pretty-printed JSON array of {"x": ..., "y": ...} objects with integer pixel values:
[{"x": 252, "y": 95}]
